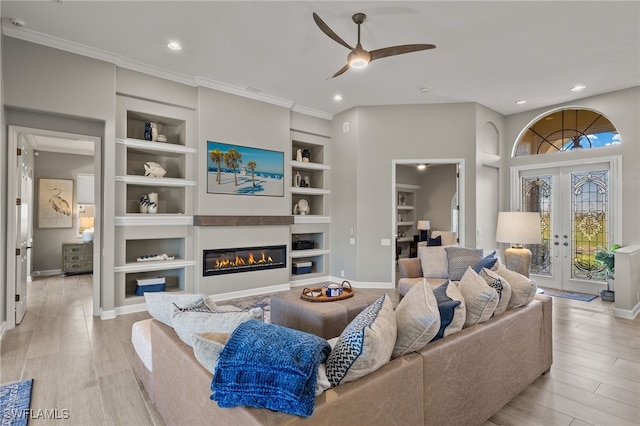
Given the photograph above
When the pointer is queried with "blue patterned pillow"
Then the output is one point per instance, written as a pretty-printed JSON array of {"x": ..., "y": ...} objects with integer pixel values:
[
  {"x": 487, "y": 262},
  {"x": 459, "y": 259},
  {"x": 448, "y": 309},
  {"x": 365, "y": 345}
]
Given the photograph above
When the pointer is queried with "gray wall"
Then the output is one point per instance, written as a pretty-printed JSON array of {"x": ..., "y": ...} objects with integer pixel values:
[
  {"x": 3, "y": 200},
  {"x": 364, "y": 157},
  {"x": 47, "y": 249},
  {"x": 622, "y": 108},
  {"x": 437, "y": 187},
  {"x": 80, "y": 93}
]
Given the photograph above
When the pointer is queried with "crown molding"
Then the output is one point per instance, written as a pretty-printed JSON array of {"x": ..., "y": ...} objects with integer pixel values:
[{"x": 122, "y": 62}]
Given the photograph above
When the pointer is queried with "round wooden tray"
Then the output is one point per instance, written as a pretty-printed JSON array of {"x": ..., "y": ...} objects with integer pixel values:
[{"x": 315, "y": 294}]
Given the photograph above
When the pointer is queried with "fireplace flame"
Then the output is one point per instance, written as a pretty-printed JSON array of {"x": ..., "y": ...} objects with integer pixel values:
[{"x": 239, "y": 261}]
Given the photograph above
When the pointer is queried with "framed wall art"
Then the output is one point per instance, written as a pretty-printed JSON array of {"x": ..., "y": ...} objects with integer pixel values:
[
  {"x": 55, "y": 203},
  {"x": 241, "y": 170}
]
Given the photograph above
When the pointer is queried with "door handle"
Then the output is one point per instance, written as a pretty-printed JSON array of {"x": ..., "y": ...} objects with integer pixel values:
[{"x": 565, "y": 244}]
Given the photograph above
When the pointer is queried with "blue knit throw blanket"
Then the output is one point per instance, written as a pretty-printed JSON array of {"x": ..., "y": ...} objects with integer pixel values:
[{"x": 269, "y": 366}]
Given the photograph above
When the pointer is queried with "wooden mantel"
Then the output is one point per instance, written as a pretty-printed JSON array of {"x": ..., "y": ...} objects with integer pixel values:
[{"x": 242, "y": 220}]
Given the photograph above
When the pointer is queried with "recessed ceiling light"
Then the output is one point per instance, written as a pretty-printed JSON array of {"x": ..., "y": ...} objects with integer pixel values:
[
  {"x": 174, "y": 45},
  {"x": 422, "y": 166},
  {"x": 578, "y": 87},
  {"x": 425, "y": 89},
  {"x": 338, "y": 98},
  {"x": 521, "y": 102}
]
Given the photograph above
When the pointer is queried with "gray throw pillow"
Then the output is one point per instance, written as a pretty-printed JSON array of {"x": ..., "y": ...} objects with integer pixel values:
[
  {"x": 480, "y": 299},
  {"x": 523, "y": 289},
  {"x": 501, "y": 286},
  {"x": 207, "y": 348},
  {"x": 459, "y": 259},
  {"x": 159, "y": 304}
]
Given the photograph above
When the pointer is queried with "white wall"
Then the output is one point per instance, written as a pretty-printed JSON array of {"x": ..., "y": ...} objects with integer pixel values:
[{"x": 3, "y": 200}]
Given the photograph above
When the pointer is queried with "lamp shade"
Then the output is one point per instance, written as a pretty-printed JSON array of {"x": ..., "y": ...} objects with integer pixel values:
[
  {"x": 519, "y": 228},
  {"x": 424, "y": 225}
]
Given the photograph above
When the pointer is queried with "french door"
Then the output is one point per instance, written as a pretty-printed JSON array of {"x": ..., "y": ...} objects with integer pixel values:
[{"x": 575, "y": 205}]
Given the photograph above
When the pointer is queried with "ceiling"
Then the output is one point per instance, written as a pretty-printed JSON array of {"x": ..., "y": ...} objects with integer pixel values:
[{"x": 492, "y": 53}]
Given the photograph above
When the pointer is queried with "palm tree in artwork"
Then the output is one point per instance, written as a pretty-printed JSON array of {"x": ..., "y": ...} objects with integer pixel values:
[
  {"x": 232, "y": 159},
  {"x": 217, "y": 157},
  {"x": 251, "y": 165}
]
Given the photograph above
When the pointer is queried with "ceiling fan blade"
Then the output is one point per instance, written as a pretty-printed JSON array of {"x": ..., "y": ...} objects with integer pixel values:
[
  {"x": 341, "y": 71},
  {"x": 399, "y": 50},
  {"x": 328, "y": 31}
]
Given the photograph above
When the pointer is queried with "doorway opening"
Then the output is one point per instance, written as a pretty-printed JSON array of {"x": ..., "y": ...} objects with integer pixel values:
[
  {"x": 422, "y": 194},
  {"x": 38, "y": 159}
]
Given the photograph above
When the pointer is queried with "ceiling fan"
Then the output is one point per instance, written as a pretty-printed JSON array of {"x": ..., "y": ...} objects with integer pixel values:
[{"x": 360, "y": 58}]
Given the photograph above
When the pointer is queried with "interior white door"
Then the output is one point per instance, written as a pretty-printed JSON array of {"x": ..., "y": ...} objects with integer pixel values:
[
  {"x": 23, "y": 232},
  {"x": 574, "y": 205}
]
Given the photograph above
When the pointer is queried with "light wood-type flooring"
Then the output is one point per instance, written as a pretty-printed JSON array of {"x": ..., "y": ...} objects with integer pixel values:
[{"x": 83, "y": 364}]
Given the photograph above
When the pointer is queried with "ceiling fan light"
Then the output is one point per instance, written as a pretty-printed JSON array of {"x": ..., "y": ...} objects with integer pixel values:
[{"x": 358, "y": 63}]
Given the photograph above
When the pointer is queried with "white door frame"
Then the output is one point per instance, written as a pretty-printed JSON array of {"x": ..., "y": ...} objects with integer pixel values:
[
  {"x": 394, "y": 199},
  {"x": 14, "y": 133},
  {"x": 615, "y": 185}
]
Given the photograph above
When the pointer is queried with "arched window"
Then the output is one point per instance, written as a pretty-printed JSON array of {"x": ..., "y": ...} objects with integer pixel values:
[{"x": 567, "y": 130}]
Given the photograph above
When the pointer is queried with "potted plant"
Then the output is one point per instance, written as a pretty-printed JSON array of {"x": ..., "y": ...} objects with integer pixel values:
[{"x": 607, "y": 260}]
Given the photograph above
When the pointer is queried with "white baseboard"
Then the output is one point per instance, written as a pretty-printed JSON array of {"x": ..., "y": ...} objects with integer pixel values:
[
  {"x": 627, "y": 313},
  {"x": 107, "y": 315},
  {"x": 309, "y": 281},
  {"x": 3, "y": 329},
  {"x": 130, "y": 309},
  {"x": 47, "y": 273},
  {"x": 251, "y": 292},
  {"x": 365, "y": 284}
]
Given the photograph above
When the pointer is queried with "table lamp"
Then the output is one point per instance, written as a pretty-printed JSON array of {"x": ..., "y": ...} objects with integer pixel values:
[
  {"x": 423, "y": 227},
  {"x": 518, "y": 228}
]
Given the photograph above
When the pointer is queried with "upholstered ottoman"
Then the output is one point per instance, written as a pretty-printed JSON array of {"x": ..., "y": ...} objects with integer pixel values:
[{"x": 324, "y": 319}]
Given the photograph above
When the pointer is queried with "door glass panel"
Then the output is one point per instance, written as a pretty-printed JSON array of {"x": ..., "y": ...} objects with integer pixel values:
[
  {"x": 536, "y": 197},
  {"x": 589, "y": 227}
]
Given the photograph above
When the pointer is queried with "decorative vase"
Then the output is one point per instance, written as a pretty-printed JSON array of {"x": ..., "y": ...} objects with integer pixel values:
[
  {"x": 306, "y": 155},
  {"x": 299, "y": 155},
  {"x": 307, "y": 181},
  {"x": 153, "y": 197},
  {"x": 147, "y": 131},
  {"x": 298, "y": 179},
  {"x": 154, "y": 132},
  {"x": 153, "y": 207},
  {"x": 144, "y": 204}
]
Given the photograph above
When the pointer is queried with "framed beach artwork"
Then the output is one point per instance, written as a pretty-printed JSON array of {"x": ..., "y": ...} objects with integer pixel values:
[
  {"x": 241, "y": 170},
  {"x": 55, "y": 201}
]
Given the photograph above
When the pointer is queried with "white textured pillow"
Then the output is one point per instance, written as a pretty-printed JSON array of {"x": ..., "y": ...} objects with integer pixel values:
[
  {"x": 159, "y": 304},
  {"x": 365, "y": 345},
  {"x": 418, "y": 319},
  {"x": 480, "y": 299},
  {"x": 523, "y": 290},
  {"x": 188, "y": 323},
  {"x": 501, "y": 286},
  {"x": 434, "y": 262},
  {"x": 207, "y": 348}
]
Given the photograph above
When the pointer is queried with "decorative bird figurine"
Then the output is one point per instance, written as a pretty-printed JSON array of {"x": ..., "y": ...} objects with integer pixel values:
[{"x": 58, "y": 203}]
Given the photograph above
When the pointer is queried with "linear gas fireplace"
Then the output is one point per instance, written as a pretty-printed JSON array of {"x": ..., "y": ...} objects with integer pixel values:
[{"x": 234, "y": 260}]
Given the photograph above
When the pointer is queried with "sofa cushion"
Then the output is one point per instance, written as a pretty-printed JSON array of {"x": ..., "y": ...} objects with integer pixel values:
[
  {"x": 433, "y": 261},
  {"x": 523, "y": 289},
  {"x": 459, "y": 259},
  {"x": 188, "y": 323},
  {"x": 365, "y": 345},
  {"x": 159, "y": 304},
  {"x": 207, "y": 348},
  {"x": 480, "y": 299},
  {"x": 452, "y": 309},
  {"x": 417, "y": 318},
  {"x": 486, "y": 262},
  {"x": 502, "y": 287}
]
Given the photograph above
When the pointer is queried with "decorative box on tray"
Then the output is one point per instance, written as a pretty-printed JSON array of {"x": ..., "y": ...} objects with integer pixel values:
[
  {"x": 302, "y": 267},
  {"x": 149, "y": 284}
]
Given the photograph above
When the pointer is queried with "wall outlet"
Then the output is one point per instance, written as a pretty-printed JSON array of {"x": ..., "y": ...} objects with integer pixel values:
[
  {"x": 352, "y": 241},
  {"x": 385, "y": 242},
  {"x": 345, "y": 127},
  {"x": 342, "y": 273}
]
